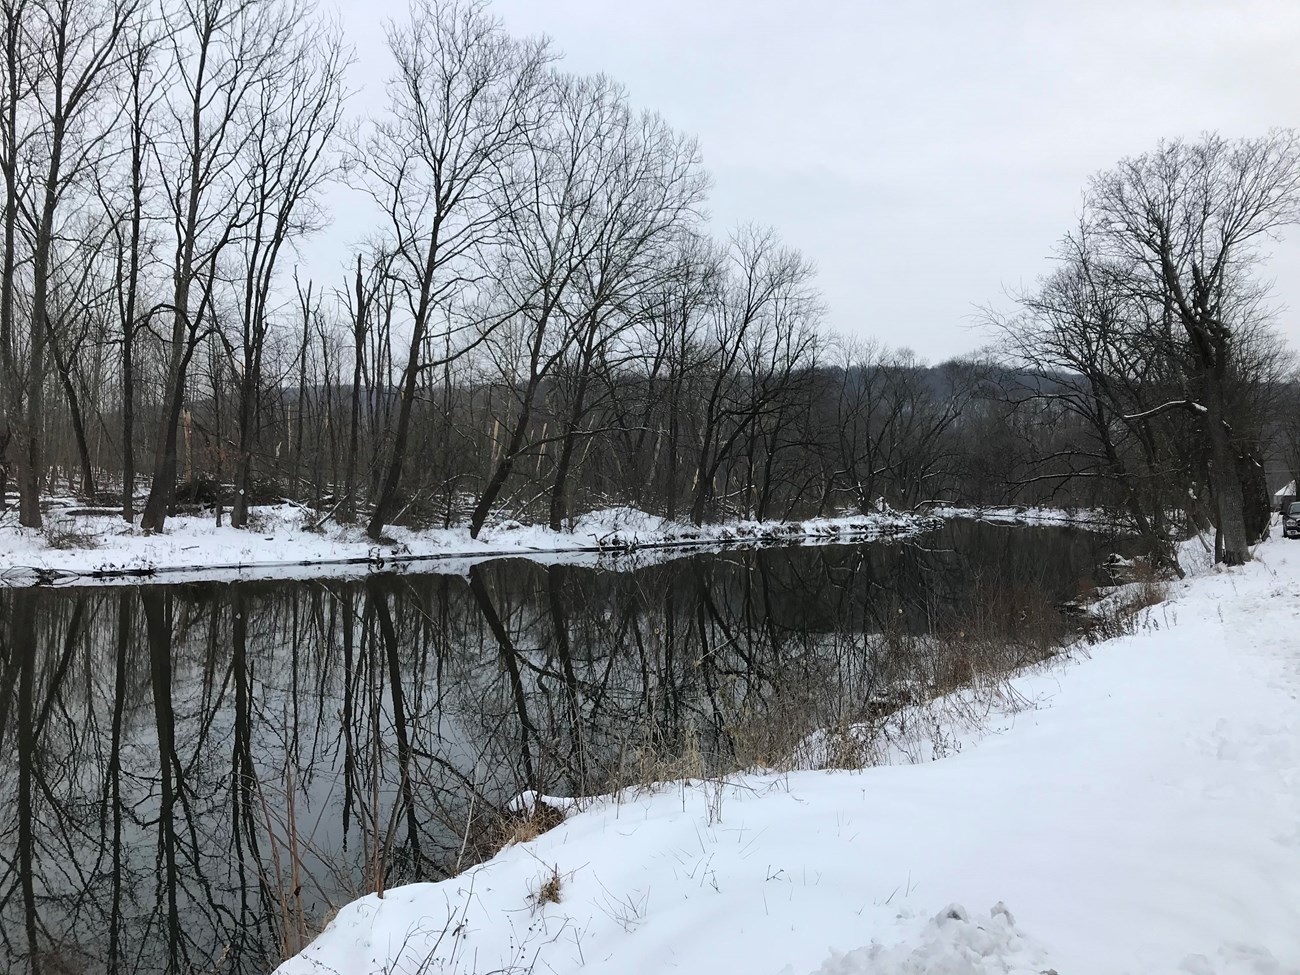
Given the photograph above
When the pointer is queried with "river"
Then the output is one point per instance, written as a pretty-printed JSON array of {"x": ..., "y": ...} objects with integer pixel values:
[{"x": 194, "y": 776}]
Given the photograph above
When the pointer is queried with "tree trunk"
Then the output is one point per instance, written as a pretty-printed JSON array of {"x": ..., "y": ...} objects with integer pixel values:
[
  {"x": 79, "y": 433},
  {"x": 129, "y": 310},
  {"x": 387, "y": 499},
  {"x": 559, "y": 491},
  {"x": 26, "y": 460},
  {"x": 1255, "y": 496},
  {"x": 766, "y": 490},
  {"x": 128, "y": 425},
  {"x": 163, "y": 486},
  {"x": 1231, "y": 521},
  {"x": 703, "y": 483},
  {"x": 673, "y": 451},
  {"x": 348, "y": 510},
  {"x": 244, "y": 470},
  {"x": 27, "y": 480},
  {"x": 504, "y": 467},
  {"x": 702, "y": 493},
  {"x": 300, "y": 414}
]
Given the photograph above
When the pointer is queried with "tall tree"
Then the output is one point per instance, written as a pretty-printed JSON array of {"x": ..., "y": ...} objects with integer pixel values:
[
  {"x": 1192, "y": 216},
  {"x": 599, "y": 198},
  {"x": 675, "y": 310},
  {"x": 292, "y": 118},
  {"x": 363, "y": 298},
  {"x": 126, "y": 206},
  {"x": 222, "y": 54},
  {"x": 1101, "y": 367},
  {"x": 59, "y": 58},
  {"x": 464, "y": 102},
  {"x": 765, "y": 293}
]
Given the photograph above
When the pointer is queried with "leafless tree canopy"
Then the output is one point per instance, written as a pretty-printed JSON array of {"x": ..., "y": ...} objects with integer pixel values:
[
  {"x": 1161, "y": 329},
  {"x": 541, "y": 320}
]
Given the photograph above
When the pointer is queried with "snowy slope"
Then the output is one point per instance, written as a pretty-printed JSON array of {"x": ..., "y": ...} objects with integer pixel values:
[{"x": 1142, "y": 817}]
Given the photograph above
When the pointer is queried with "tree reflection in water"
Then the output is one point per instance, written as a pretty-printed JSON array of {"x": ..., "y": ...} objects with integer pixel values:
[{"x": 195, "y": 775}]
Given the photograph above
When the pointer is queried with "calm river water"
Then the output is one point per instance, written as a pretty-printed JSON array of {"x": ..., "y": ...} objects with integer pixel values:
[{"x": 192, "y": 776}]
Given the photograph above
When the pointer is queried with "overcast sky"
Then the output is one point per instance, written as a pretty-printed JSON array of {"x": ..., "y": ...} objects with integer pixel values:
[{"x": 924, "y": 154}]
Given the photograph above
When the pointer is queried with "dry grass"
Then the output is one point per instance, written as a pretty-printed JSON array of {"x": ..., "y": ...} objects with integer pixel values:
[
  {"x": 848, "y": 699},
  {"x": 63, "y": 533},
  {"x": 1117, "y": 611},
  {"x": 513, "y": 829},
  {"x": 652, "y": 756},
  {"x": 548, "y": 889},
  {"x": 284, "y": 875}
]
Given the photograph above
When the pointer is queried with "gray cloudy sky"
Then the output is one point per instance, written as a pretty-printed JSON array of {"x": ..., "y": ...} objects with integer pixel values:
[{"x": 925, "y": 154}]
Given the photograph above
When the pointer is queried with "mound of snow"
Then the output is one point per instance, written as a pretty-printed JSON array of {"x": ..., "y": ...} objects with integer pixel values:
[
  {"x": 952, "y": 943},
  {"x": 625, "y": 524}
]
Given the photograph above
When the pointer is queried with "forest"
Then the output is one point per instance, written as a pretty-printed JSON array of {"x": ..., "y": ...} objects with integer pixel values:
[{"x": 543, "y": 320}]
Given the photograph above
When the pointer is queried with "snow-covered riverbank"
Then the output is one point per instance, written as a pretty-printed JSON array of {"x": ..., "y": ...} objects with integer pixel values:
[
  {"x": 1138, "y": 815},
  {"x": 285, "y": 543},
  {"x": 1030, "y": 515}
]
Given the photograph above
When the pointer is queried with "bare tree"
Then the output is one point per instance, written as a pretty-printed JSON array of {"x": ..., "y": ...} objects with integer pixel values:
[
  {"x": 13, "y": 142},
  {"x": 601, "y": 196},
  {"x": 364, "y": 298},
  {"x": 1101, "y": 367},
  {"x": 464, "y": 102},
  {"x": 1192, "y": 216},
  {"x": 765, "y": 293},
  {"x": 59, "y": 58},
  {"x": 292, "y": 116},
  {"x": 133, "y": 251},
  {"x": 780, "y": 366},
  {"x": 78, "y": 311},
  {"x": 222, "y": 52},
  {"x": 675, "y": 311}
]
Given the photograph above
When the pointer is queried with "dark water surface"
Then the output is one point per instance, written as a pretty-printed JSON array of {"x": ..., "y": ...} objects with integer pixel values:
[{"x": 191, "y": 776}]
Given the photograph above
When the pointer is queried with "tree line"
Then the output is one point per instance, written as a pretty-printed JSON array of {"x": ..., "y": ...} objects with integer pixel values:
[{"x": 542, "y": 321}]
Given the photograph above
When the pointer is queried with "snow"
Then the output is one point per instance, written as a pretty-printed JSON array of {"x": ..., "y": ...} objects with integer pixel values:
[
  {"x": 282, "y": 544},
  {"x": 285, "y": 542},
  {"x": 1029, "y": 515},
  {"x": 1136, "y": 813},
  {"x": 952, "y": 943}
]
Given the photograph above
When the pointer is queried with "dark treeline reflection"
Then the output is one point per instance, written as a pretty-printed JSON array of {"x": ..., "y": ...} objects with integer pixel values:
[{"x": 192, "y": 775}]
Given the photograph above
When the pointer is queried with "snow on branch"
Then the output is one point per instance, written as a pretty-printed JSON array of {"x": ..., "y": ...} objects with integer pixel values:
[{"x": 1172, "y": 404}]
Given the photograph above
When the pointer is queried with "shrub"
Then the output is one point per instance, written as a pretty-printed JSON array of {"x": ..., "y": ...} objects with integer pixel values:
[{"x": 63, "y": 532}]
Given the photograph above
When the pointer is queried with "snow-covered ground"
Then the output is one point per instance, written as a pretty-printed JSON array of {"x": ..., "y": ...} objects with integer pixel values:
[
  {"x": 1029, "y": 515},
  {"x": 283, "y": 543},
  {"x": 1141, "y": 814},
  {"x": 286, "y": 542}
]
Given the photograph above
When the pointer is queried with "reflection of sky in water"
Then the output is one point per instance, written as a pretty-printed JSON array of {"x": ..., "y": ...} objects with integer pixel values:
[{"x": 673, "y": 651}]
